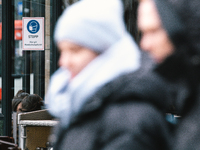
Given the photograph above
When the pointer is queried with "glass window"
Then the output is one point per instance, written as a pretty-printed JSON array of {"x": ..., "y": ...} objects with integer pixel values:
[{"x": 31, "y": 69}]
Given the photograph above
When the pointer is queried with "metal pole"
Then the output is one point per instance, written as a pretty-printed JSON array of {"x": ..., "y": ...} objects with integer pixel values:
[
  {"x": 38, "y": 65},
  {"x": 26, "y": 77},
  {"x": 56, "y": 11},
  {"x": 7, "y": 51}
]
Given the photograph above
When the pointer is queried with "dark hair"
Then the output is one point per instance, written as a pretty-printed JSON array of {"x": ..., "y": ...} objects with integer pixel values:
[
  {"x": 21, "y": 94},
  {"x": 18, "y": 98},
  {"x": 32, "y": 102}
]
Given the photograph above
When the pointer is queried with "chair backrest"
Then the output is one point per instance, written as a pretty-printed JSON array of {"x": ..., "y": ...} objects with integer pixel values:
[
  {"x": 8, "y": 146},
  {"x": 7, "y": 139},
  {"x": 13, "y": 148}
]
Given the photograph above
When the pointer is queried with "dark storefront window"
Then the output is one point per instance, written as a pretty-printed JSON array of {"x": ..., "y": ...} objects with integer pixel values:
[
  {"x": 31, "y": 67},
  {"x": 28, "y": 70},
  {"x": 130, "y": 17}
]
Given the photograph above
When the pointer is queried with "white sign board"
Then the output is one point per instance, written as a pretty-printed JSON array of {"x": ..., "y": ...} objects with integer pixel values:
[{"x": 33, "y": 33}]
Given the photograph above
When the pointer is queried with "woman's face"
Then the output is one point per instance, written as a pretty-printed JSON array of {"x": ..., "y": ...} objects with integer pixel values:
[
  {"x": 74, "y": 57},
  {"x": 19, "y": 107},
  {"x": 154, "y": 38}
]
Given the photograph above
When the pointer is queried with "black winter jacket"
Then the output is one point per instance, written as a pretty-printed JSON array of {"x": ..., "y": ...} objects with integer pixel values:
[
  {"x": 127, "y": 113},
  {"x": 183, "y": 68}
]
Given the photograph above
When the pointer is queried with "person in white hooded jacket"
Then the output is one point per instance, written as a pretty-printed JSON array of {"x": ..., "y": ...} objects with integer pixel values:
[{"x": 93, "y": 92}]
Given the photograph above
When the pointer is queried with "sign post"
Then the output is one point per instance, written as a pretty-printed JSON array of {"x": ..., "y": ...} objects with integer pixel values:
[{"x": 33, "y": 33}]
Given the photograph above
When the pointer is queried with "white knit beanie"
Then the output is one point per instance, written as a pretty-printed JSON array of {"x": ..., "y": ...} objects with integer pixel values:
[{"x": 95, "y": 24}]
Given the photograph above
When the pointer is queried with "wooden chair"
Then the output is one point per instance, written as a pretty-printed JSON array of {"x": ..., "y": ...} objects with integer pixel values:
[
  {"x": 8, "y": 146},
  {"x": 7, "y": 139}
]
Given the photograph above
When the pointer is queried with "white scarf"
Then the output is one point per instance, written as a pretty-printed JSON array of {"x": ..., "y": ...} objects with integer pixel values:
[{"x": 65, "y": 99}]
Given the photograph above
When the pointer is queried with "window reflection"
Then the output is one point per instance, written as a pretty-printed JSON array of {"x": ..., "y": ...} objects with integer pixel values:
[{"x": 31, "y": 68}]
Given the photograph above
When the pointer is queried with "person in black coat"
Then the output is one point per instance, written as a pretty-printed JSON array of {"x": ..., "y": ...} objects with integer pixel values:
[
  {"x": 100, "y": 95},
  {"x": 120, "y": 115},
  {"x": 172, "y": 37}
]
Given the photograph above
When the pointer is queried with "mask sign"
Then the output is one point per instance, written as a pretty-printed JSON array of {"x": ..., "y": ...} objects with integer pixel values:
[{"x": 33, "y": 33}]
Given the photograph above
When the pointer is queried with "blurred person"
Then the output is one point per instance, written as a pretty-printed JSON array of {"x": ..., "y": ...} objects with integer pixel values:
[
  {"x": 32, "y": 102},
  {"x": 25, "y": 102},
  {"x": 96, "y": 93},
  {"x": 17, "y": 106},
  {"x": 17, "y": 100},
  {"x": 171, "y": 34}
]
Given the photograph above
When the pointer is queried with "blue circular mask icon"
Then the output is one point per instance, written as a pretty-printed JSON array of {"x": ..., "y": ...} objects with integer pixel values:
[{"x": 33, "y": 26}]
